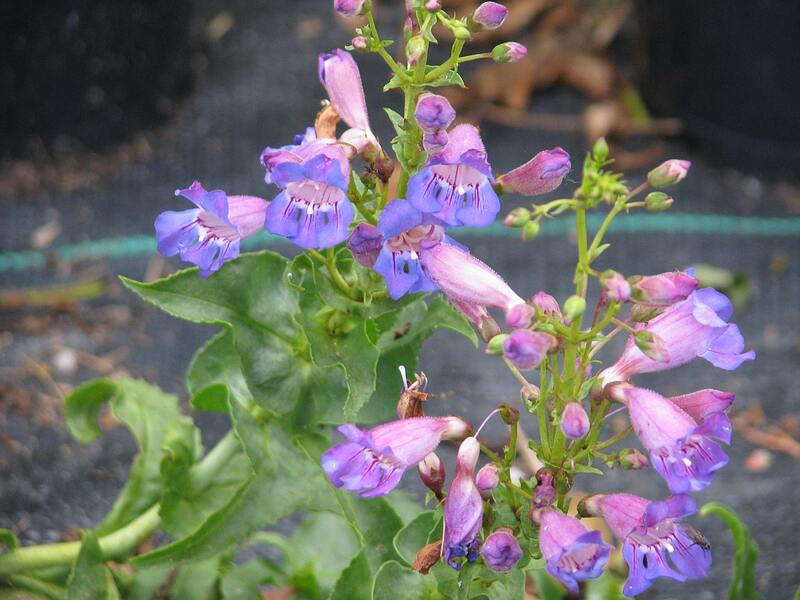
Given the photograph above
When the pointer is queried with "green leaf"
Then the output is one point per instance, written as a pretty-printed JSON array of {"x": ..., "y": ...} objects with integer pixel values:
[
  {"x": 149, "y": 413},
  {"x": 446, "y": 579},
  {"x": 398, "y": 121},
  {"x": 216, "y": 372},
  {"x": 283, "y": 482},
  {"x": 89, "y": 579},
  {"x": 581, "y": 468},
  {"x": 9, "y": 539},
  {"x": 393, "y": 581},
  {"x": 355, "y": 582},
  {"x": 606, "y": 587},
  {"x": 743, "y": 584},
  {"x": 272, "y": 347},
  {"x": 509, "y": 586},
  {"x": 449, "y": 78},
  {"x": 244, "y": 581},
  {"x": 146, "y": 582},
  {"x": 414, "y": 536},
  {"x": 196, "y": 580},
  {"x": 546, "y": 587}
]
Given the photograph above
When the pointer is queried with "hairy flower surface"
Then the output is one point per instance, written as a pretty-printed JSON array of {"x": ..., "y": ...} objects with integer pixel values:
[
  {"x": 655, "y": 543},
  {"x": 209, "y": 235},
  {"x": 373, "y": 461}
]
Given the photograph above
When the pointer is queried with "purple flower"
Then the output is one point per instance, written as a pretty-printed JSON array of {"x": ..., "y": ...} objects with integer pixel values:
[
  {"x": 509, "y": 52},
  {"x": 695, "y": 327},
  {"x": 468, "y": 283},
  {"x": 434, "y": 112},
  {"x": 435, "y": 141},
  {"x": 209, "y": 235},
  {"x": 339, "y": 73},
  {"x": 545, "y": 492},
  {"x": 348, "y": 8},
  {"x": 703, "y": 404},
  {"x": 572, "y": 552},
  {"x": 574, "y": 421},
  {"x": 406, "y": 233},
  {"x": 312, "y": 210},
  {"x": 683, "y": 450},
  {"x": 373, "y": 461},
  {"x": 501, "y": 551},
  {"x": 365, "y": 242},
  {"x": 546, "y": 304},
  {"x": 270, "y": 157},
  {"x": 668, "y": 173},
  {"x": 489, "y": 15},
  {"x": 663, "y": 289},
  {"x": 487, "y": 479},
  {"x": 463, "y": 509},
  {"x": 540, "y": 175},
  {"x": 615, "y": 287},
  {"x": 526, "y": 349},
  {"x": 455, "y": 185},
  {"x": 655, "y": 543}
]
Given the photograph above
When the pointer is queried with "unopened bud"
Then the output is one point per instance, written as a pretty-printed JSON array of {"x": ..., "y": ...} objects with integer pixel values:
[
  {"x": 432, "y": 473},
  {"x": 530, "y": 230},
  {"x": 668, "y": 173},
  {"x": 657, "y": 202},
  {"x": 545, "y": 303},
  {"x": 433, "y": 5},
  {"x": 545, "y": 492},
  {"x": 517, "y": 217},
  {"x": 435, "y": 141},
  {"x": 488, "y": 328},
  {"x": 359, "y": 42},
  {"x": 574, "y": 421},
  {"x": 652, "y": 345},
  {"x": 632, "y": 459},
  {"x": 489, "y": 15},
  {"x": 434, "y": 112},
  {"x": 487, "y": 478},
  {"x": 349, "y": 8},
  {"x": 384, "y": 167},
  {"x": 509, "y": 52},
  {"x": 495, "y": 345},
  {"x": 415, "y": 48},
  {"x": 574, "y": 307},
  {"x": 615, "y": 286},
  {"x": 600, "y": 149},
  {"x": 520, "y": 316}
]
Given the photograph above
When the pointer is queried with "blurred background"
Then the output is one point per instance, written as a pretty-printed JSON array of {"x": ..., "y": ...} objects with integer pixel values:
[{"x": 107, "y": 107}]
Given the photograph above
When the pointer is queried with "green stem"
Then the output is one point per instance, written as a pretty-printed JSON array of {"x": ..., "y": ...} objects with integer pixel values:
[
  {"x": 541, "y": 411},
  {"x": 451, "y": 62},
  {"x": 511, "y": 453},
  {"x": 55, "y": 592},
  {"x": 337, "y": 278},
  {"x": 203, "y": 472},
  {"x": 594, "y": 431},
  {"x": 471, "y": 57},
  {"x": 387, "y": 58},
  {"x": 491, "y": 454}
]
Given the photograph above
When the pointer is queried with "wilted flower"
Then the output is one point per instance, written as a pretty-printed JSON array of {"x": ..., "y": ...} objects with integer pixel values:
[
  {"x": 655, "y": 543},
  {"x": 463, "y": 509},
  {"x": 432, "y": 473},
  {"x": 540, "y": 175},
  {"x": 501, "y": 551},
  {"x": 209, "y": 235},
  {"x": 526, "y": 349},
  {"x": 373, "y": 461},
  {"x": 695, "y": 327},
  {"x": 683, "y": 450},
  {"x": 455, "y": 185},
  {"x": 572, "y": 552},
  {"x": 574, "y": 421}
]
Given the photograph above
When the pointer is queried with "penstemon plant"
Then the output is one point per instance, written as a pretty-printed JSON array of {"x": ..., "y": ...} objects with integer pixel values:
[{"x": 318, "y": 341}]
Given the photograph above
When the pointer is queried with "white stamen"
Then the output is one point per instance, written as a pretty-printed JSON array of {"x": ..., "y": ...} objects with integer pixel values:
[{"x": 402, "y": 370}]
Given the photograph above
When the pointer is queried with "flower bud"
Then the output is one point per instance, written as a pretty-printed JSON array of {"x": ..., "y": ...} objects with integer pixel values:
[
  {"x": 487, "y": 479},
  {"x": 509, "y": 52},
  {"x": 615, "y": 287},
  {"x": 432, "y": 473},
  {"x": 488, "y": 328},
  {"x": 349, "y": 8},
  {"x": 668, "y": 173},
  {"x": 517, "y": 217},
  {"x": 545, "y": 303},
  {"x": 526, "y": 349},
  {"x": 530, "y": 230},
  {"x": 509, "y": 414},
  {"x": 461, "y": 33},
  {"x": 574, "y": 307},
  {"x": 657, "y": 202},
  {"x": 663, "y": 289},
  {"x": 435, "y": 141},
  {"x": 434, "y": 112},
  {"x": 384, "y": 167},
  {"x": 489, "y": 15},
  {"x": 359, "y": 42},
  {"x": 600, "y": 149},
  {"x": 540, "y": 175},
  {"x": 415, "y": 48},
  {"x": 545, "y": 492},
  {"x": 495, "y": 345},
  {"x": 433, "y": 5},
  {"x": 520, "y": 316},
  {"x": 652, "y": 345},
  {"x": 574, "y": 421},
  {"x": 501, "y": 551},
  {"x": 632, "y": 459},
  {"x": 365, "y": 243}
]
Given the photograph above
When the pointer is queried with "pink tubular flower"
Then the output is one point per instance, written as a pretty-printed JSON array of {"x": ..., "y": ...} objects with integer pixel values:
[
  {"x": 339, "y": 74},
  {"x": 572, "y": 552},
  {"x": 684, "y": 450},
  {"x": 668, "y": 173},
  {"x": 655, "y": 543},
  {"x": 695, "y": 327},
  {"x": 526, "y": 349},
  {"x": 372, "y": 462},
  {"x": 467, "y": 282},
  {"x": 501, "y": 551},
  {"x": 540, "y": 175},
  {"x": 574, "y": 421},
  {"x": 348, "y": 8},
  {"x": 463, "y": 509},
  {"x": 663, "y": 289}
]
